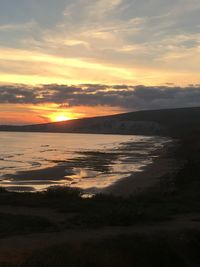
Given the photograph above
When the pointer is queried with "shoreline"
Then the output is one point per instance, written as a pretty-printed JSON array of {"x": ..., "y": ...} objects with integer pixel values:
[
  {"x": 95, "y": 162},
  {"x": 150, "y": 177}
]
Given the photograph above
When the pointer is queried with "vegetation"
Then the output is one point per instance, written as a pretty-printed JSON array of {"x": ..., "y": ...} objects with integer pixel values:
[{"x": 11, "y": 224}]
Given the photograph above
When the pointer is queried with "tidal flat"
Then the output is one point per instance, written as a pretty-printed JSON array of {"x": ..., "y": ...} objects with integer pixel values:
[{"x": 34, "y": 162}]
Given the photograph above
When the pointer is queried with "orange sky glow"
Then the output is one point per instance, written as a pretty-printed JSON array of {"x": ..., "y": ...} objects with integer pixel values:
[{"x": 33, "y": 114}]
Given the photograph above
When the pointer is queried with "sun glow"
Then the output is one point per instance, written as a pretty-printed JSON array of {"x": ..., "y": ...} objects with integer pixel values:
[{"x": 60, "y": 117}]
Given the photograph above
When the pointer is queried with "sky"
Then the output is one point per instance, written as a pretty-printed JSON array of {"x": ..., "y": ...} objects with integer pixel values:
[{"x": 69, "y": 59}]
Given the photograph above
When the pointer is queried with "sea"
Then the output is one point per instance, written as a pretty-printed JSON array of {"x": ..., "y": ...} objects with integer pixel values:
[{"x": 37, "y": 161}]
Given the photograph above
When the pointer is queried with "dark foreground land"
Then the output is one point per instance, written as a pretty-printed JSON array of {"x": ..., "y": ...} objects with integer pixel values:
[{"x": 159, "y": 227}]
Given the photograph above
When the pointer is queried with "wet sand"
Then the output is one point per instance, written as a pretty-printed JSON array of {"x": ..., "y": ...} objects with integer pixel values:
[{"x": 162, "y": 170}]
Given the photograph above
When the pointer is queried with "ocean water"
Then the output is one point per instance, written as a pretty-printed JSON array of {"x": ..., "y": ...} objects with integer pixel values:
[{"x": 36, "y": 161}]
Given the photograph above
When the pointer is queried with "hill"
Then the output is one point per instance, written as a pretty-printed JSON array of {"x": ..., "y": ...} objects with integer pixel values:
[{"x": 171, "y": 122}]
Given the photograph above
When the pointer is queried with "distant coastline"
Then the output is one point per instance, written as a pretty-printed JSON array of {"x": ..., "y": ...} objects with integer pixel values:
[{"x": 164, "y": 122}]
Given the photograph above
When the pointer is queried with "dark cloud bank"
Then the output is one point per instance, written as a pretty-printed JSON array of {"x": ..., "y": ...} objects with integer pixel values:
[{"x": 127, "y": 97}]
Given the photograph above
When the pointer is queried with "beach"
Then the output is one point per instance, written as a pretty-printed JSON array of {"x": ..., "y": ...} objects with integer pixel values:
[{"x": 161, "y": 171}]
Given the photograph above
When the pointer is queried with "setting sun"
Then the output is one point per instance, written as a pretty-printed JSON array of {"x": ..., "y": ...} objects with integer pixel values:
[{"x": 60, "y": 117}]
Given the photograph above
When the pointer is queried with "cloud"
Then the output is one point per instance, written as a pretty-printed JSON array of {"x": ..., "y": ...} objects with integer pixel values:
[
  {"x": 152, "y": 41},
  {"x": 18, "y": 27},
  {"x": 123, "y": 96}
]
